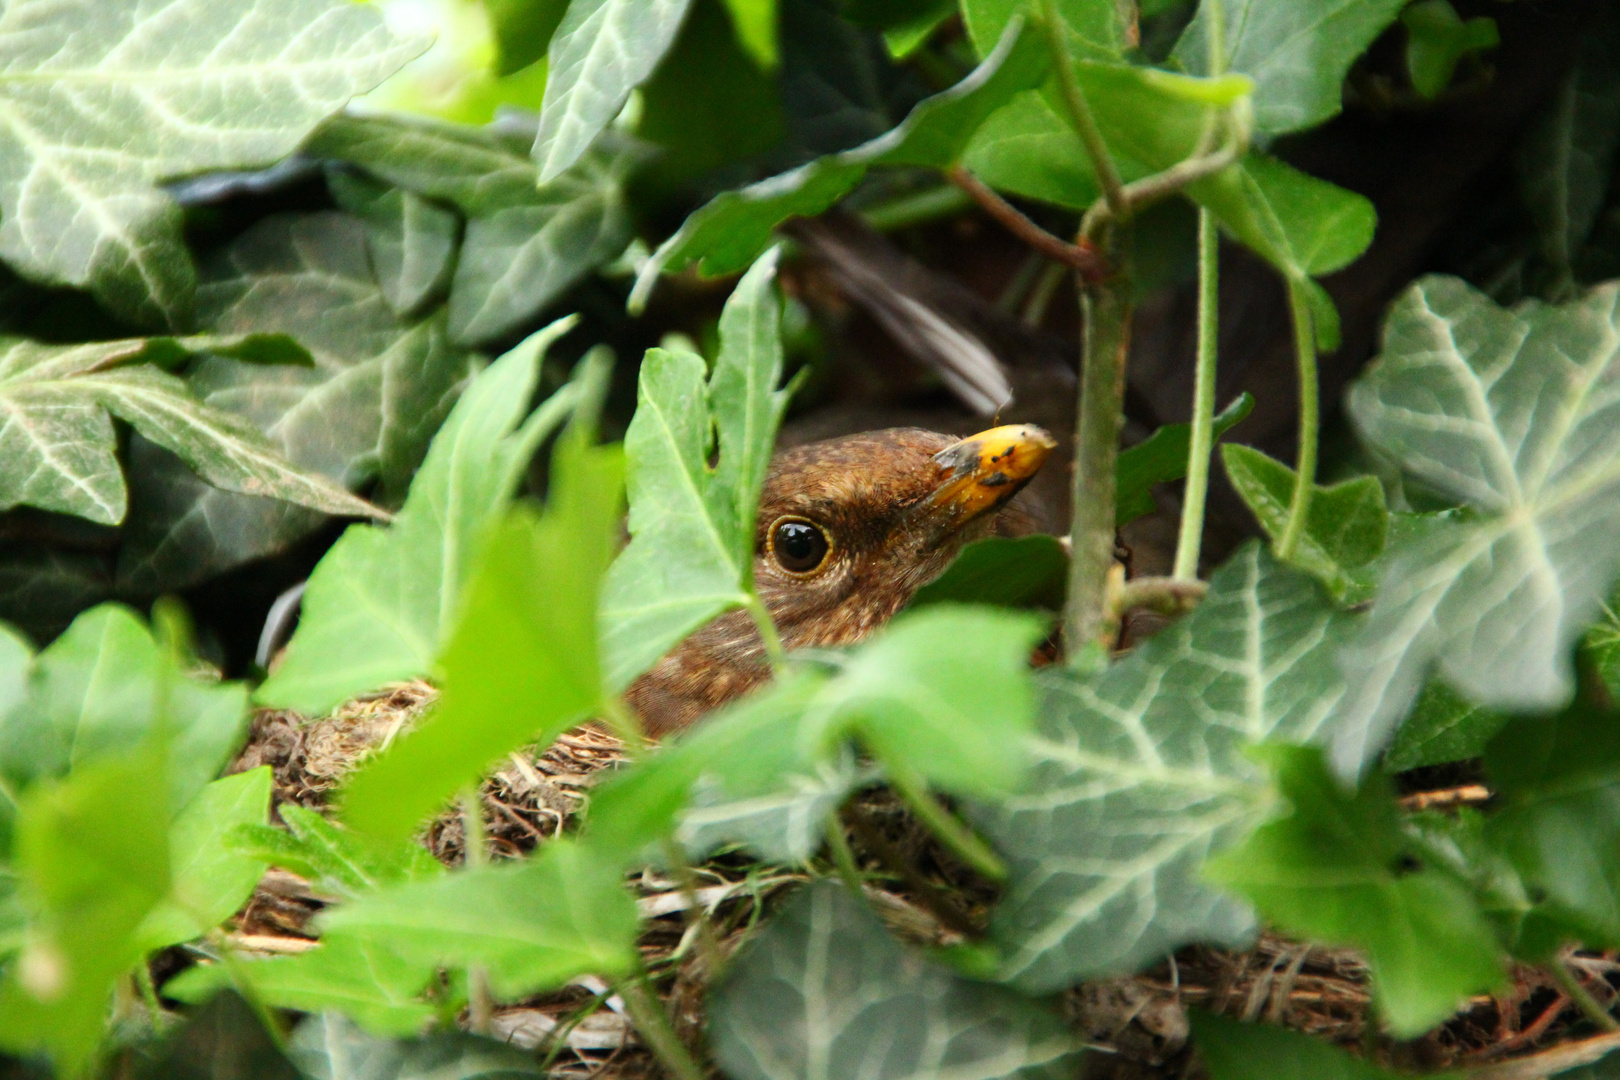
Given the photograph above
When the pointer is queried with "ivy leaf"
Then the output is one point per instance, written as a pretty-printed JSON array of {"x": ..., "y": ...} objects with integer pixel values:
[
  {"x": 1241, "y": 1051},
  {"x": 366, "y": 408},
  {"x": 411, "y": 240},
  {"x": 520, "y": 664},
  {"x": 1097, "y": 31},
  {"x": 1515, "y": 413},
  {"x": 601, "y": 51},
  {"x": 1142, "y": 772},
  {"x": 527, "y": 241},
  {"x": 1298, "y": 53},
  {"x": 210, "y": 880},
  {"x": 824, "y": 992},
  {"x": 533, "y": 925},
  {"x": 1022, "y": 571},
  {"x": 1437, "y": 38},
  {"x": 1603, "y": 646},
  {"x": 381, "y": 602},
  {"x": 93, "y": 858},
  {"x": 337, "y": 861},
  {"x": 107, "y": 99},
  {"x": 329, "y": 1047},
  {"x": 730, "y": 231},
  {"x": 1344, "y": 530},
  {"x": 1161, "y": 458},
  {"x": 1444, "y": 727},
  {"x": 369, "y": 980},
  {"x": 103, "y": 688},
  {"x": 691, "y": 551},
  {"x": 57, "y": 441},
  {"x": 1338, "y": 870},
  {"x": 1559, "y": 779}
]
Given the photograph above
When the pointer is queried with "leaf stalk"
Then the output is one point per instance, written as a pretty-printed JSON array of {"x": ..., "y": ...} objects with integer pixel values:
[
  {"x": 1190, "y": 541},
  {"x": 655, "y": 1029},
  {"x": 1299, "y": 507},
  {"x": 950, "y": 831}
]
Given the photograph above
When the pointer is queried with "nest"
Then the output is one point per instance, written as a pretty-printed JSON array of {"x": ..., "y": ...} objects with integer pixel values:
[{"x": 1137, "y": 1025}]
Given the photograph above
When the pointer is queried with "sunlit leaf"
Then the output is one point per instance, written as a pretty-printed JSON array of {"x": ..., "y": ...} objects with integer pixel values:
[
  {"x": 336, "y": 861},
  {"x": 105, "y": 99},
  {"x": 1514, "y": 413},
  {"x": 1338, "y": 869},
  {"x": 210, "y": 879},
  {"x": 824, "y": 993},
  {"x": 1437, "y": 38},
  {"x": 1344, "y": 530},
  {"x": 1097, "y": 29},
  {"x": 520, "y": 664},
  {"x": 1297, "y": 52},
  {"x": 601, "y": 51},
  {"x": 691, "y": 551},
  {"x": 1141, "y": 773},
  {"x": 382, "y": 601}
]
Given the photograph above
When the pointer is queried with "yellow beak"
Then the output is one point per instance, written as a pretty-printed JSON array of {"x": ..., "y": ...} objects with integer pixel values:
[{"x": 983, "y": 471}]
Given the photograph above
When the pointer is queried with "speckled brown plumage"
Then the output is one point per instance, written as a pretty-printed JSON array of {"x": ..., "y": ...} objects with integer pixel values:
[{"x": 896, "y": 505}]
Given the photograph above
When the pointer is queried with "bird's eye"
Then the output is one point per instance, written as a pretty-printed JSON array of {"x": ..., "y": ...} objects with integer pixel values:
[{"x": 799, "y": 546}]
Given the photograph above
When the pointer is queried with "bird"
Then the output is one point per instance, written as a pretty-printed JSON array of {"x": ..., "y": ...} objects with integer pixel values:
[{"x": 847, "y": 530}]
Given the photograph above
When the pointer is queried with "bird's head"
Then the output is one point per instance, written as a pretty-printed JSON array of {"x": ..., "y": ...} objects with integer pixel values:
[{"x": 848, "y": 529}]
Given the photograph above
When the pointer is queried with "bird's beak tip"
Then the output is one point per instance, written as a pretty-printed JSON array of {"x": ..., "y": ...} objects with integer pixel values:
[{"x": 983, "y": 471}]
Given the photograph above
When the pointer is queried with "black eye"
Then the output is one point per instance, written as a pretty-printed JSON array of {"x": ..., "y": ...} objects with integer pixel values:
[{"x": 799, "y": 546}]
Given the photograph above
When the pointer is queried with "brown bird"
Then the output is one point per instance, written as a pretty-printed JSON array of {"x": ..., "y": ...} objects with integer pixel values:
[{"x": 848, "y": 529}]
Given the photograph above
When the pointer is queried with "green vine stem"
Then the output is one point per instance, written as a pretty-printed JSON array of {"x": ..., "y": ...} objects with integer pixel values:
[
  {"x": 1188, "y": 544},
  {"x": 654, "y": 1028},
  {"x": 774, "y": 651},
  {"x": 843, "y": 857},
  {"x": 480, "y": 1005},
  {"x": 950, "y": 831},
  {"x": 1582, "y": 998},
  {"x": 1309, "y": 420},
  {"x": 1079, "y": 110}
]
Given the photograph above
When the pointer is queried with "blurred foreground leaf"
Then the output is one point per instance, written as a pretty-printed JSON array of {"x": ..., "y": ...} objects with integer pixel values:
[
  {"x": 1514, "y": 413},
  {"x": 334, "y": 860},
  {"x": 691, "y": 551},
  {"x": 824, "y": 993},
  {"x": 1244, "y": 1051},
  {"x": 382, "y": 601},
  {"x": 1437, "y": 38},
  {"x": 105, "y": 99},
  {"x": 222, "y": 1040},
  {"x": 329, "y": 1047},
  {"x": 1338, "y": 869},
  {"x": 1143, "y": 771}
]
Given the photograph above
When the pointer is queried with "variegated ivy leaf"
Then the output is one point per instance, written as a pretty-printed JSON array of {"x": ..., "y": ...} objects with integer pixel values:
[
  {"x": 1515, "y": 415},
  {"x": 102, "y": 99},
  {"x": 1142, "y": 772},
  {"x": 57, "y": 446}
]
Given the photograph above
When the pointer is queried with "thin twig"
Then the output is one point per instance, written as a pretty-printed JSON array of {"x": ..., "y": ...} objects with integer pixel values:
[
  {"x": 1140, "y": 194},
  {"x": 1085, "y": 260},
  {"x": 1561, "y": 1058}
]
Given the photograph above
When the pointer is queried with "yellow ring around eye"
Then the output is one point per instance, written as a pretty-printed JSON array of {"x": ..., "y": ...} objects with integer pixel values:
[{"x": 827, "y": 546}]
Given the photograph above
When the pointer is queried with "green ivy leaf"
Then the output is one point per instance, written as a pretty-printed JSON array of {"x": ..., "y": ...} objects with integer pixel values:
[
  {"x": 1602, "y": 646},
  {"x": 1337, "y": 869},
  {"x": 1097, "y": 29},
  {"x": 1239, "y": 1051},
  {"x": 93, "y": 858},
  {"x": 1140, "y": 773},
  {"x": 105, "y": 100},
  {"x": 1344, "y": 530},
  {"x": 1023, "y": 571},
  {"x": 1298, "y": 53},
  {"x": 337, "y": 861},
  {"x": 411, "y": 240},
  {"x": 57, "y": 441},
  {"x": 528, "y": 241},
  {"x": 601, "y": 51},
  {"x": 1512, "y": 413},
  {"x": 533, "y": 925},
  {"x": 691, "y": 551},
  {"x": 366, "y": 408},
  {"x": 1558, "y": 779},
  {"x": 1444, "y": 727},
  {"x": 1437, "y": 38},
  {"x": 102, "y": 689},
  {"x": 522, "y": 30},
  {"x": 755, "y": 22},
  {"x": 1161, "y": 458},
  {"x": 521, "y": 663},
  {"x": 329, "y": 1047},
  {"x": 210, "y": 880},
  {"x": 382, "y": 601},
  {"x": 824, "y": 992},
  {"x": 730, "y": 231},
  {"x": 373, "y": 981}
]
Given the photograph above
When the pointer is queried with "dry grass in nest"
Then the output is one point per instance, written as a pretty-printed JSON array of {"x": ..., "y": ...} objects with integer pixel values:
[{"x": 1138, "y": 1024}]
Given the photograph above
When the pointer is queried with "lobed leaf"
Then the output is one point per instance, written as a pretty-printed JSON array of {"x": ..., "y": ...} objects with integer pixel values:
[
  {"x": 824, "y": 992},
  {"x": 1437, "y": 38},
  {"x": 410, "y": 240},
  {"x": 691, "y": 550},
  {"x": 1515, "y": 413},
  {"x": 381, "y": 603},
  {"x": 1444, "y": 727},
  {"x": 1161, "y": 458},
  {"x": 103, "y": 100},
  {"x": 329, "y": 1047},
  {"x": 1337, "y": 869},
  {"x": 1142, "y": 772}
]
